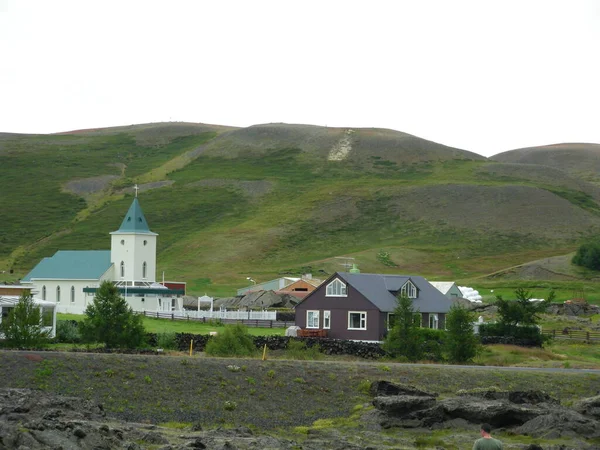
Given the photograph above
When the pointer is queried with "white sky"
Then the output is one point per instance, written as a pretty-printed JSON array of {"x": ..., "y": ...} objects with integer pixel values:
[{"x": 485, "y": 76}]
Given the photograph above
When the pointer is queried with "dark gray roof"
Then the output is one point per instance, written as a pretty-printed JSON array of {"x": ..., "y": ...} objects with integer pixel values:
[{"x": 380, "y": 289}]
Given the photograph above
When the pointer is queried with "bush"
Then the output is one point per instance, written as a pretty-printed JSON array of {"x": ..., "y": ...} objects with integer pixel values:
[
  {"x": 233, "y": 341},
  {"x": 499, "y": 333},
  {"x": 67, "y": 331},
  {"x": 286, "y": 316},
  {"x": 166, "y": 340},
  {"x": 432, "y": 343},
  {"x": 110, "y": 320},
  {"x": 588, "y": 255},
  {"x": 298, "y": 350}
]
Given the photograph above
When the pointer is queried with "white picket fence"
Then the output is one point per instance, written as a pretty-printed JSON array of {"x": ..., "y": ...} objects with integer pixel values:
[{"x": 234, "y": 315}]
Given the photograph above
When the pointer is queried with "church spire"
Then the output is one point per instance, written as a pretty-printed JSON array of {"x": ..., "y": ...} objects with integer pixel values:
[{"x": 134, "y": 221}]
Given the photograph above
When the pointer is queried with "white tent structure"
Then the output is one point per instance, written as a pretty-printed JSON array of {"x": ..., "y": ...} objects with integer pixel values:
[{"x": 48, "y": 310}]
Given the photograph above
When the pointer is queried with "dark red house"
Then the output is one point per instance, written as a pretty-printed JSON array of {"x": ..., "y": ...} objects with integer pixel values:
[{"x": 358, "y": 306}]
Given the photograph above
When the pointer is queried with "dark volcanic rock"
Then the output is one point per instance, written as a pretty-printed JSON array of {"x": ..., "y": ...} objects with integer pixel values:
[
  {"x": 385, "y": 388},
  {"x": 589, "y": 406},
  {"x": 400, "y": 405},
  {"x": 498, "y": 413},
  {"x": 564, "y": 423}
]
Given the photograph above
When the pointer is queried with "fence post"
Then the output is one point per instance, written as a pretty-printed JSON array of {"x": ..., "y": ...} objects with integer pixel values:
[
  {"x": 157, "y": 314},
  {"x": 172, "y": 316}
]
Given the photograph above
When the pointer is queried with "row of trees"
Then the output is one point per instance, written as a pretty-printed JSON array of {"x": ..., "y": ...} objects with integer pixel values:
[
  {"x": 516, "y": 318},
  {"x": 108, "y": 320}
]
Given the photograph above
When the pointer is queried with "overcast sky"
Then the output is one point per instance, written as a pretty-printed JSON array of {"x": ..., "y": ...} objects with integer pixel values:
[{"x": 485, "y": 76}]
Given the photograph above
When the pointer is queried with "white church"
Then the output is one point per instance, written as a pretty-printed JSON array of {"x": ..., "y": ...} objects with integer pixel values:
[{"x": 70, "y": 278}]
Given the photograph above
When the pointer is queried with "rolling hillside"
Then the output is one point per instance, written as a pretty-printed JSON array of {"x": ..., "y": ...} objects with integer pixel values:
[
  {"x": 579, "y": 159},
  {"x": 270, "y": 199}
]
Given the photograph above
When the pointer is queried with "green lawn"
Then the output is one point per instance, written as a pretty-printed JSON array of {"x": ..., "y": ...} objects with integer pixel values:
[{"x": 153, "y": 325}]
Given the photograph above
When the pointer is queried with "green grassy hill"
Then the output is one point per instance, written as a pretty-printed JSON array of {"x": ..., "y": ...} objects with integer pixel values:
[
  {"x": 580, "y": 159},
  {"x": 271, "y": 199}
]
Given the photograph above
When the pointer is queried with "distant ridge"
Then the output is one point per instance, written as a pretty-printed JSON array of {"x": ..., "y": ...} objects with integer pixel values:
[{"x": 575, "y": 158}]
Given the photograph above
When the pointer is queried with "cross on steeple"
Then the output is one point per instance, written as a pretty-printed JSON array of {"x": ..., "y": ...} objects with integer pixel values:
[{"x": 136, "y": 189}]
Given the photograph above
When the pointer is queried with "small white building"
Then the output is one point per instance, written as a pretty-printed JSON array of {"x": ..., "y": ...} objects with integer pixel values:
[
  {"x": 70, "y": 278},
  {"x": 448, "y": 288}
]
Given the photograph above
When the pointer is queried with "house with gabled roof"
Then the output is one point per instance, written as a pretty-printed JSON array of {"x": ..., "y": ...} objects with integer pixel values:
[
  {"x": 448, "y": 288},
  {"x": 360, "y": 306},
  {"x": 70, "y": 278}
]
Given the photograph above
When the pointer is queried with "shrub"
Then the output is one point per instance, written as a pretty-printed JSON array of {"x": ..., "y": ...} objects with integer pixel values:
[
  {"x": 67, "y": 331},
  {"x": 432, "y": 343},
  {"x": 588, "y": 255},
  {"x": 233, "y": 341},
  {"x": 23, "y": 325},
  {"x": 110, "y": 320},
  {"x": 499, "y": 333},
  {"x": 166, "y": 340},
  {"x": 298, "y": 350}
]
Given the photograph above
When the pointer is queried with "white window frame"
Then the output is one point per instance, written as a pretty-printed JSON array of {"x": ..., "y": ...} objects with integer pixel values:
[
  {"x": 311, "y": 323},
  {"x": 436, "y": 321},
  {"x": 336, "y": 288},
  {"x": 389, "y": 326},
  {"x": 410, "y": 293},
  {"x": 363, "y": 320},
  {"x": 326, "y": 320}
]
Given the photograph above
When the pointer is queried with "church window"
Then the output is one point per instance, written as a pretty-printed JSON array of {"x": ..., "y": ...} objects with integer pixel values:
[
  {"x": 122, "y": 241},
  {"x": 72, "y": 294},
  {"x": 57, "y": 294},
  {"x": 44, "y": 292},
  {"x": 145, "y": 242},
  {"x": 144, "y": 267},
  {"x": 122, "y": 269},
  {"x": 409, "y": 290}
]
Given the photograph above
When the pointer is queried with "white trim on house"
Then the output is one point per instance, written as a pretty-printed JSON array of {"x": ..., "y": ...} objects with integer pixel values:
[
  {"x": 434, "y": 322},
  {"x": 326, "y": 320},
  {"x": 310, "y": 321},
  {"x": 409, "y": 289},
  {"x": 362, "y": 320},
  {"x": 337, "y": 288}
]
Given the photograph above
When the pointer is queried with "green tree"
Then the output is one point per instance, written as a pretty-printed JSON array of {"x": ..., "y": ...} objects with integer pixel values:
[
  {"x": 405, "y": 339},
  {"x": 23, "y": 326},
  {"x": 521, "y": 311},
  {"x": 461, "y": 343},
  {"x": 588, "y": 255},
  {"x": 110, "y": 320}
]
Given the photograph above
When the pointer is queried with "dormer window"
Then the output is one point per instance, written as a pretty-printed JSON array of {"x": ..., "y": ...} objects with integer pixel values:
[
  {"x": 409, "y": 290},
  {"x": 336, "y": 289}
]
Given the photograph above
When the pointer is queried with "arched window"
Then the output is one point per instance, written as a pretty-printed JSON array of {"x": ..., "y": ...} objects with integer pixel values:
[
  {"x": 122, "y": 269},
  {"x": 336, "y": 289},
  {"x": 144, "y": 268},
  {"x": 44, "y": 292},
  {"x": 57, "y": 294},
  {"x": 72, "y": 294}
]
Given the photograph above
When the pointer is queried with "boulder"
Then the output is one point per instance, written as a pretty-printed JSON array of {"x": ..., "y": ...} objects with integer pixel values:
[
  {"x": 385, "y": 388},
  {"x": 561, "y": 423},
  {"x": 589, "y": 406},
  {"x": 400, "y": 405},
  {"x": 498, "y": 413}
]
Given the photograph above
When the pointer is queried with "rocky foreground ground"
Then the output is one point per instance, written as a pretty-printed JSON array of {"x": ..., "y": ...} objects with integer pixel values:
[
  {"x": 32, "y": 419},
  {"x": 52, "y": 400}
]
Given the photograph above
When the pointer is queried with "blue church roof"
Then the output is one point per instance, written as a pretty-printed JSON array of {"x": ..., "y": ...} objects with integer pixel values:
[
  {"x": 134, "y": 221},
  {"x": 72, "y": 265}
]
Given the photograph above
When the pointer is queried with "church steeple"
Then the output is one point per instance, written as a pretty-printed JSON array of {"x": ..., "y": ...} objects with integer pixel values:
[{"x": 134, "y": 221}]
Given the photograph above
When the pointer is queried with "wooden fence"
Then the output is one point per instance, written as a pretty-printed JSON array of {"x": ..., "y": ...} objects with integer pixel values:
[
  {"x": 246, "y": 322},
  {"x": 579, "y": 335}
]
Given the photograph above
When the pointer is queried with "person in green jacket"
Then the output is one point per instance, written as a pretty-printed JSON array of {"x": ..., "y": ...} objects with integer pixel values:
[{"x": 487, "y": 442}]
